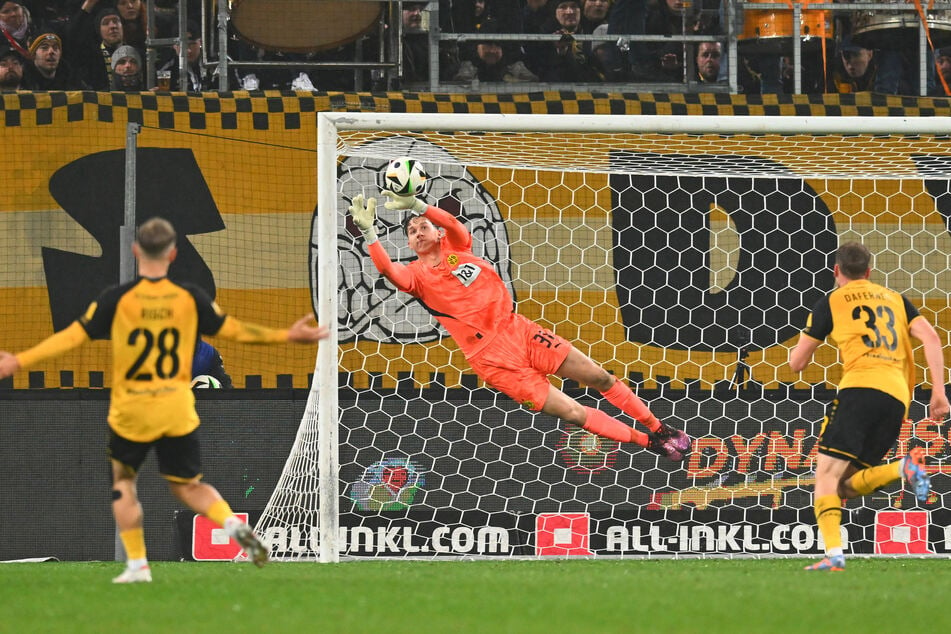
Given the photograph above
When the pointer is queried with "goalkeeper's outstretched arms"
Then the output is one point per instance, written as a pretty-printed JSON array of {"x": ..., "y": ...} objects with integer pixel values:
[
  {"x": 364, "y": 216},
  {"x": 456, "y": 232},
  {"x": 56, "y": 344}
]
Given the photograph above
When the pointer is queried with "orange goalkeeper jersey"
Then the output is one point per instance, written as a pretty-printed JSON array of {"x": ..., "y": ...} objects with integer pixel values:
[{"x": 463, "y": 292}]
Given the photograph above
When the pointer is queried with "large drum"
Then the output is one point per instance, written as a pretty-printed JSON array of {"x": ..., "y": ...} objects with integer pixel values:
[
  {"x": 770, "y": 31},
  {"x": 899, "y": 28},
  {"x": 303, "y": 26}
]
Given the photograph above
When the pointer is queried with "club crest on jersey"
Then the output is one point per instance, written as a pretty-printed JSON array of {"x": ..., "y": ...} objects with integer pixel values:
[{"x": 452, "y": 260}]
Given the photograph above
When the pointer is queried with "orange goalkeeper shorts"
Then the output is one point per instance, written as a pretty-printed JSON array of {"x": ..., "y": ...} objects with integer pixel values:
[{"x": 520, "y": 359}]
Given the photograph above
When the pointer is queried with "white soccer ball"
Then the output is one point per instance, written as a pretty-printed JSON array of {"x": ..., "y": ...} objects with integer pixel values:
[
  {"x": 405, "y": 176},
  {"x": 205, "y": 381}
]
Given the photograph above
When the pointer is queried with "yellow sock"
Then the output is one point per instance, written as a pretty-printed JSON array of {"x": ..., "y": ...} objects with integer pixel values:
[
  {"x": 874, "y": 478},
  {"x": 829, "y": 517},
  {"x": 134, "y": 542},
  {"x": 219, "y": 512}
]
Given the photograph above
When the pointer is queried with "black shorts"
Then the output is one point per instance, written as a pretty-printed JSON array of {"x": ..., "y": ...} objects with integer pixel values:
[
  {"x": 861, "y": 425},
  {"x": 179, "y": 457}
]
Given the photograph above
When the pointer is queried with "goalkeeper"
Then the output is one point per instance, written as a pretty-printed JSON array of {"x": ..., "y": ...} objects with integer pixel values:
[{"x": 509, "y": 351}]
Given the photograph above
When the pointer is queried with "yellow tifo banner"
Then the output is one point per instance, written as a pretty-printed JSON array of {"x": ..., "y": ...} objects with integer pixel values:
[
  {"x": 241, "y": 197},
  {"x": 239, "y": 178}
]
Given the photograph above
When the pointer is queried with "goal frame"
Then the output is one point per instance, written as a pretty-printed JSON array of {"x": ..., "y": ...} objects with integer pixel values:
[{"x": 323, "y": 398}]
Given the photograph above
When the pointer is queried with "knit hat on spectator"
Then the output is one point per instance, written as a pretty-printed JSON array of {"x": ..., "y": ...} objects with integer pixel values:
[
  {"x": 577, "y": 3},
  {"x": 47, "y": 37},
  {"x": 125, "y": 51},
  {"x": 104, "y": 13},
  {"x": 942, "y": 52}
]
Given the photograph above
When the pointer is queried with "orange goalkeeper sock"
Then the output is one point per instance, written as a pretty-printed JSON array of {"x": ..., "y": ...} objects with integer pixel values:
[
  {"x": 624, "y": 398},
  {"x": 599, "y": 423}
]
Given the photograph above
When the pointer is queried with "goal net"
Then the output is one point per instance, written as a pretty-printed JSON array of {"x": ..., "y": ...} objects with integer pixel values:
[{"x": 681, "y": 253}]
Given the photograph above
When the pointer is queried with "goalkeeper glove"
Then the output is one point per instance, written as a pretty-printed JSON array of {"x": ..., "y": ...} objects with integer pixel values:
[
  {"x": 414, "y": 205},
  {"x": 364, "y": 216}
]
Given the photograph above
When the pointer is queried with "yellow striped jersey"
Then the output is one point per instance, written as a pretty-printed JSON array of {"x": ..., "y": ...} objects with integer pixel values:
[{"x": 869, "y": 324}]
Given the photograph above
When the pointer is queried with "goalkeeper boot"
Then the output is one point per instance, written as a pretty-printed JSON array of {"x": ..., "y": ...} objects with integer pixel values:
[
  {"x": 255, "y": 550},
  {"x": 139, "y": 575},
  {"x": 664, "y": 448},
  {"x": 835, "y": 563},
  {"x": 677, "y": 440},
  {"x": 913, "y": 472}
]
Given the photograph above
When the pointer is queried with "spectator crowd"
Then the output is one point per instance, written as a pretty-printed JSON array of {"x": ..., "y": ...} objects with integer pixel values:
[
  {"x": 101, "y": 45},
  {"x": 79, "y": 44}
]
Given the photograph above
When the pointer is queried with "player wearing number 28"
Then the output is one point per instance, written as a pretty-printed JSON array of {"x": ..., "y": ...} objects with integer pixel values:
[
  {"x": 872, "y": 327},
  {"x": 510, "y": 352},
  {"x": 154, "y": 324}
]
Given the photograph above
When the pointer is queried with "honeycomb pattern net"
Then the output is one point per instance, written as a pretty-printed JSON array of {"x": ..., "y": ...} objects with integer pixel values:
[{"x": 684, "y": 265}]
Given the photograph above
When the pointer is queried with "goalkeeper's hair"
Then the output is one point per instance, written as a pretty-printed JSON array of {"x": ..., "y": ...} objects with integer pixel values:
[
  {"x": 854, "y": 259},
  {"x": 406, "y": 219},
  {"x": 155, "y": 237}
]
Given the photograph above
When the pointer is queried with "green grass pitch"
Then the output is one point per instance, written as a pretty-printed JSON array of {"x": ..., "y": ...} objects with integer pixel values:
[{"x": 545, "y": 596}]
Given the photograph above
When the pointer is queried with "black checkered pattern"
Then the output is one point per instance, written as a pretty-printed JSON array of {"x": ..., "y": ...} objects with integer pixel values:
[{"x": 290, "y": 110}]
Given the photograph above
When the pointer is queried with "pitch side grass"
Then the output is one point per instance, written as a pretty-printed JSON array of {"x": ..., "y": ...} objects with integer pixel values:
[{"x": 550, "y": 596}]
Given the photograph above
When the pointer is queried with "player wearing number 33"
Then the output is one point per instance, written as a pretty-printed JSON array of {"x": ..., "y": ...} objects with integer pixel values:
[
  {"x": 510, "y": 352},
  {"x": 872, "y": 327},
  {"x": 154, "y": 324}
]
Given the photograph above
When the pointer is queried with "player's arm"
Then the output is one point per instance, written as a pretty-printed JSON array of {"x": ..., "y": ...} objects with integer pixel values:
[
  {"x": 95, "y": 323},
  {"x": 818, "y": 327},
  {"x": 301, "y": 331},
  {"x": 801, "y": 355},
  {"x": 922, "y": 330},
  {"x": 393, "y": 271},
  {"x": 456, "y": 232},
  {"x": 364, "y": 215},
  {"x": 213, "y": 321},
  {"x": 56, "y": 344}
]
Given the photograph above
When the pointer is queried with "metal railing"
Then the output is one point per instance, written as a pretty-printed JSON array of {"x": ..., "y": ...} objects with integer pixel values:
[{"x": 388, "y": 65}]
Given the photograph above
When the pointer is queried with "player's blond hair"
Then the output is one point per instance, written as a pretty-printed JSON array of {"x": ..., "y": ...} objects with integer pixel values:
[{"x": 155, "y": 237}]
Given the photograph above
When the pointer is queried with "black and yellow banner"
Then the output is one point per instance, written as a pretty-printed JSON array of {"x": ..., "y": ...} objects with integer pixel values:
[{"x": 237, "y": 175}]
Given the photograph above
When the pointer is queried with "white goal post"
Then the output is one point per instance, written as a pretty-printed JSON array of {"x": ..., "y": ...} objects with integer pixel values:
[{"x": 683, "y": 253}]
